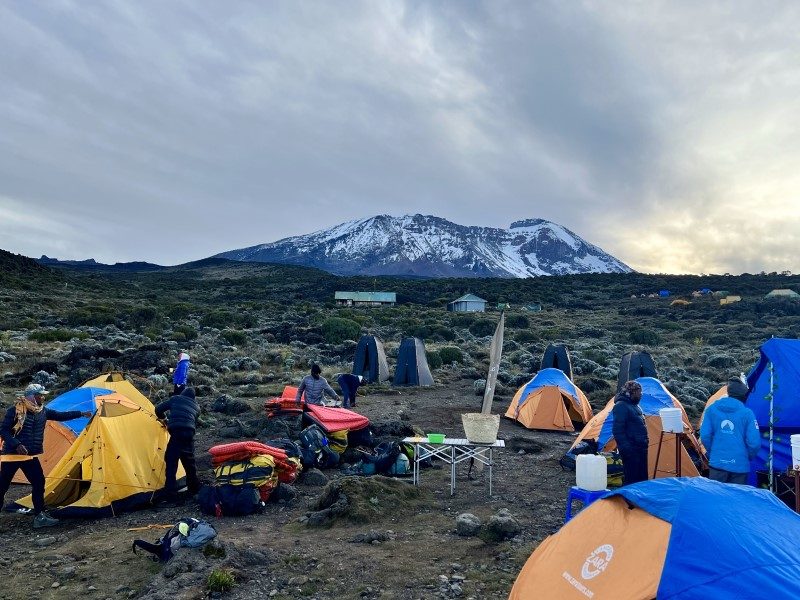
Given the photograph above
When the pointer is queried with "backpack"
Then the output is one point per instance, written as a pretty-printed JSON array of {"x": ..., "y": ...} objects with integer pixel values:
[
  {"x": 401, "y": 466},
  {"x": 230, "y": 500},
  {"x": 186, "y": 533},
  {"x": 338, "y": 441},
  {"x": 569, "y": 460}
]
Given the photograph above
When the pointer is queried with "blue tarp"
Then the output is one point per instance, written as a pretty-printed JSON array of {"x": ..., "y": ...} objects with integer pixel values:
[
  {"x": 81, "y": 399},
  {"x": 724, "y": 542},
  {"x": 785, "y": 356},
  {"x": 663, "y": 293},
  {"x": 547, "y": 377},
  {"x": 654, "y": 397}
]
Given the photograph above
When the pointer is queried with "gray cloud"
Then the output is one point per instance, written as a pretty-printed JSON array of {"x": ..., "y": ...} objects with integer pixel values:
[{"x": 665, "y": 133}]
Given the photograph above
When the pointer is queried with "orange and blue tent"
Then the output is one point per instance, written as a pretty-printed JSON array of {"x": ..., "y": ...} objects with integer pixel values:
[
  {"x": 550, "y": 401},
  {"x": 654, "y": 397},
  {"x": 670, "y": 539}
]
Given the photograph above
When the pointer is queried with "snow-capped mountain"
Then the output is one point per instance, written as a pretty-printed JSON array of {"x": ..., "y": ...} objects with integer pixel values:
[{"x": 427, "y": 246}]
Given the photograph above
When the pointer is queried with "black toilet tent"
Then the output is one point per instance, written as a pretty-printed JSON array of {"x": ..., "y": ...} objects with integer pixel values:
[
  {"x": 370, "y": 361},
  {"x": 412, "y": 364}
]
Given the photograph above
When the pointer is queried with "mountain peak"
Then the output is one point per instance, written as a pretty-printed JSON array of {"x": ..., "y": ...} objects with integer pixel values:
[{"x": 429, "y": 246}]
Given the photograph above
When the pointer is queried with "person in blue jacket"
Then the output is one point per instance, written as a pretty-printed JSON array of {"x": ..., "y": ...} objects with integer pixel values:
[
  {"x": 180, "y": 375},
  {"x": 349, "y": 384},
  {"x": 730, "y": 435}
]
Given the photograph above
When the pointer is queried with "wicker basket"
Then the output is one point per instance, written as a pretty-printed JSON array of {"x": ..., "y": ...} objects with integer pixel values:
[{"x": 480, "y": 428}]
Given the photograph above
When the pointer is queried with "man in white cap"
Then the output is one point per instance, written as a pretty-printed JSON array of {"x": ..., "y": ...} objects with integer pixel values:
[
  {"x": 22, "y": 431},
  {"x": 349, "y": 385}
]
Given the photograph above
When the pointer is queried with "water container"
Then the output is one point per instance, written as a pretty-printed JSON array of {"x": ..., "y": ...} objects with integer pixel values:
[
  {"x": 591, "y": 472},
  {"x": 671, "y": 421},
  {"x": 795, "y": 440}
]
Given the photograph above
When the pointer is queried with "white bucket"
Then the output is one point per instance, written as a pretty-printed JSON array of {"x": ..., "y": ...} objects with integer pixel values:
[
  {"x": 795, "y": 440},
  {"x": 671, "y": 421},
  {"x": 591, "y": 472}
]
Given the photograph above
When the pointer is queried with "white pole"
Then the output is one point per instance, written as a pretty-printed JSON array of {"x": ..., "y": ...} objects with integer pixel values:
[{"x": 771, "y": 404}]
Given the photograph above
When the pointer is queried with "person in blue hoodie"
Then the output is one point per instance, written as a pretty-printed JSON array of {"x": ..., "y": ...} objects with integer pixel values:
[
  {"x": 180, "y": 375},
  {"x": 730, "y": 435}
]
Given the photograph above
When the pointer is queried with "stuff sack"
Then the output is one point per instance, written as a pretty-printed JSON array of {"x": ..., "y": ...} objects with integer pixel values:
[
  {"x": 401, "y": 466},
  {"x": 230, "y": 500},
  {"x": 614, "y": 469},
  {"x": 337, "y": 441},
  {"x": 186, "y": 533}
]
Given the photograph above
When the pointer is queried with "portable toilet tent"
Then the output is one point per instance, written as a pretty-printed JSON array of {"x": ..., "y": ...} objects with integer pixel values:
[
  {"x": 654, "y": 397},
  {"x": 634, "y": 365},
  {"x": 550, "y": 401},
  {"x": 673, "y": 538},
  {"x": 59, "y": 435},
  {"x": 556, "y": 356},
  {"x": 115, "y": 464},
  {"x": 412, "y": 364},
  {"x": 370, "y": 361}
]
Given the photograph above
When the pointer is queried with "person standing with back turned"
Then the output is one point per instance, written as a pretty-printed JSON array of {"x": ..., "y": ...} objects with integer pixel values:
[
  {"x": 630, "y": 433},
  {"x": 730, "y": 435},
  {"x": 183, "y": 411}
]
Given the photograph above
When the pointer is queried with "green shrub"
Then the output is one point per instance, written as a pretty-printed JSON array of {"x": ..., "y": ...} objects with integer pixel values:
[
  {"x": 420, "y": 331},
  {"x": 93, "y": 316},
  {"x": 218, "y": 319},
  {"x": 444, "y": 333},
  {"x": 482, "y": 327},
  {"x": 187, "y": 332},
  {"x": 517, "y": 321},
  {"x": 144, "y": 315},
  {"x": 29, "y": 324},
  {"x": 220, "y": 580},
  {"x": 56, "y": 335},
  {"x": 234, "y": 337},
  {"x": 462, "y": 320},
  {"x": 525, "y": 337},
  {"x": 434, "y": 359},
  {"x": 451, "y": 354},
  {"x": 648, "y": 337},
  {"x": 335, "y": 330}
]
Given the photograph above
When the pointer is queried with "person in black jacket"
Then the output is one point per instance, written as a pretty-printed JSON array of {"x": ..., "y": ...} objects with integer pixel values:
[
  {"x": 183, "y": 411},
  {"x": 22, "y": 432},
  {"x": 630, "y": 433}
]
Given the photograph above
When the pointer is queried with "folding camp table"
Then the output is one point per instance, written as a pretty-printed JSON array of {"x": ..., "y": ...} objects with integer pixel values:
[{"x": 453, "y": 451}]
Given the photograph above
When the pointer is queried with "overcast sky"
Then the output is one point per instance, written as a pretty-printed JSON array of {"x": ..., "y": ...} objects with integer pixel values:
[{"x": 666, "y": 133}]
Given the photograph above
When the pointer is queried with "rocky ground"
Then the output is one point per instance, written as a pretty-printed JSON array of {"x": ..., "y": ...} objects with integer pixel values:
[{"x": 403, "y": 548}]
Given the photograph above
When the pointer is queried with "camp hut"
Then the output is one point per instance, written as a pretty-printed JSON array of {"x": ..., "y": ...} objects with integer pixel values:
[
  {"x": 412, "y": 364},
  {"x": 556, "y": 356},
  {"x": 654, "y": 397},
  {"x": 550, "y": 401},
  {"x": 791, "y": 294},
  {"x": 370, "y": 360},
  {"x": 59, "y": 435},
  {"x": 467, "y": 303},
  {"x": 115, "y": 464},
  {"x": 673, "y": 538},
  {"x": 365, "y": 298}
]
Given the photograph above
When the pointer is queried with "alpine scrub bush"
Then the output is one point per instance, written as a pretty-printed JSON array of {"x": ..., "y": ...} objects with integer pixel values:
[
  {"x": 335, "y": 330},
  {"x": 434, "y": 359},
  {"x": 517, "y": 321},
  {"x": 220, "y": 580},
  {"x": 647, "y": 337},
  {"x": 56, "y": 335},
  {"x": 234, "y": 337},
  {"x": 482, "y": 328},
  {"x": 450, "y": 355}
]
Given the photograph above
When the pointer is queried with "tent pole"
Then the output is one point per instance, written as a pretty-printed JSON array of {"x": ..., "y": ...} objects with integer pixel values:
[{"x": 771, "y": 405}]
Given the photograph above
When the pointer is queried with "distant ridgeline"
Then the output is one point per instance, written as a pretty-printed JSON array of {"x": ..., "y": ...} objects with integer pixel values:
[{"x": 18, "y": 269}]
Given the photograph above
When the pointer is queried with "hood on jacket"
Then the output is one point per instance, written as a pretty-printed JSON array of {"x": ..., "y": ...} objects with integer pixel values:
[
  {"x": 183, "y": 356},
  {"x": 188, "y": 392},
  {"x": 728, "y": 405}
]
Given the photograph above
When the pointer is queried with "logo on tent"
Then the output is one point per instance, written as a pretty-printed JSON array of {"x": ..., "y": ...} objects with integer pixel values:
[
  {"x": 597, "y": 562},
  {"x": 727, "y": 426}
]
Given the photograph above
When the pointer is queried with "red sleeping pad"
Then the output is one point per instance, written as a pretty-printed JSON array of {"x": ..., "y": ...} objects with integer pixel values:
[
  {"x": 336, "y": 419},
  {"x": 285, "y": 404},
  {"x": 236, "y": 451}
]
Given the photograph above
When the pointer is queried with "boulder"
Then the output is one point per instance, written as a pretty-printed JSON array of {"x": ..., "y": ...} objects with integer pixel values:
[
  {"x": 503, "y": 525},
  {"x": 467, "y": 525}
]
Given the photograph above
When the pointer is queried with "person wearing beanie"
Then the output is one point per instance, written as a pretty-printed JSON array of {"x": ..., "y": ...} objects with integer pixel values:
[
  {"x": 315, "y": 387},
  {"x": 630, "y": 433},
  {"x": 22, "y": 431},
  {"x": 180, "y": 375},
  {"x": 183, "y": 412},
  {"x": 730, "y": 435}
]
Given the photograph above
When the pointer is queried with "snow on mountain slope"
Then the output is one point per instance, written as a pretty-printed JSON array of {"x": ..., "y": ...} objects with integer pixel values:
[{"x": 428, "y": 246}]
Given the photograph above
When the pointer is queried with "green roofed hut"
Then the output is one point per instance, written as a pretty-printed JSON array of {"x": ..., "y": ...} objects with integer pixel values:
[
  {"x": 365, "y": 298},
  {"x": 467, "y": 303}
]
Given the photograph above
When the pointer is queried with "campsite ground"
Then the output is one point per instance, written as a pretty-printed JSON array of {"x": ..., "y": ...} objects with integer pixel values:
[{"x": 422, "y": 557}]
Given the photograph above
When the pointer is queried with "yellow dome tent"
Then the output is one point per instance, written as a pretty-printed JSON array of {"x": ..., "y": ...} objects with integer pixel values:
[{"x": 115, "y": 464}]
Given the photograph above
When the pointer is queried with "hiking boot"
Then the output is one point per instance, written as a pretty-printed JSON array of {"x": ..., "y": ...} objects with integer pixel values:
[{"x": 44, "y": 520}]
